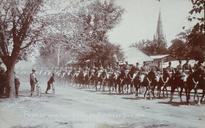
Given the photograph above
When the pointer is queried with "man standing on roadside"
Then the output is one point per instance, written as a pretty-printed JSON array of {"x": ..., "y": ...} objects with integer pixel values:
[
  {"x": 50, "y": 83},
  {"x": 33, "y": 81}
]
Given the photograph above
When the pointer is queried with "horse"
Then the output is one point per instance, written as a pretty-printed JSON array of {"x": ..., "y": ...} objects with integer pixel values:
[
  {"x": 164, "y": 82},
  {"x": 97, "y": 78},
  {"x": 178, "y": 80},
  {"x": 116, "y": 81},
  {"x": 80, "y": 78},
  {"x": 111, "y": 81},
  {"x": 150, "y": 83},
  {"x": 75, "y": 77},
  {"x": 192, "y": 83},
  {"x": 120, "y": 81},
  {"x": 138, "y": 78},
  {"x": 200, "y": 84},
  {"x": 103, "y": 80},
  {"x": 92, "y": 77},
  {"x": 71, "y": 75},
  {"x": 129, "y": 81},
  {"x": 85, "y": 78}
]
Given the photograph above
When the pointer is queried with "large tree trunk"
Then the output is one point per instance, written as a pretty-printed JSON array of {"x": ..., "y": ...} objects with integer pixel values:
[
  {"x": 10, "y": 80},
  {"x": 10, "y": 87}
]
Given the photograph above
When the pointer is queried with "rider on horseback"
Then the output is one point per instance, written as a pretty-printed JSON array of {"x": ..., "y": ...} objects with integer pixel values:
[
  {"x": 179, "y": 67},
  {"x": 187, "y": 66},
  {"x": 145, "y": 68}
]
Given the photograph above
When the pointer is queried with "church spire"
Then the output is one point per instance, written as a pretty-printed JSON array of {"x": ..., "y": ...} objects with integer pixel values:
[
  {"x": 159, "y": 33},
  {"x": 159, "y": 38}
]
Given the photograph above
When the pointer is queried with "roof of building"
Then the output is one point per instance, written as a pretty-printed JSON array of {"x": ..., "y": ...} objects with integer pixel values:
[
  {"x": 134, "y": 55},
  {"x": 159, "y": 56}
]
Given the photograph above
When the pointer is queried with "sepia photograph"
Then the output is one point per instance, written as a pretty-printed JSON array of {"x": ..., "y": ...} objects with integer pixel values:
[{"x": 102, "y": 63}]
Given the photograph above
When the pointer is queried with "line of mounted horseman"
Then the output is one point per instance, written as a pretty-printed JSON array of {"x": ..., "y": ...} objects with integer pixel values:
[
  {"x": 134, "y": 79},
  {"x": 152, "y": 81}
]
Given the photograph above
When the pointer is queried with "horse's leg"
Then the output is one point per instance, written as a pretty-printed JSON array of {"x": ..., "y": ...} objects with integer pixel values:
[
  {"x": 100, "y": 83},
  {"x": 153, "y": 89},
  {"x": 136, "y": 90},
  {"x": 145, "y": 93},
  {"x": 149, "y": 90},
  {"x": 188, "y": 95},
  {"x": 167, "y": 91},
  {"x": 141, "y": 88},
  {"x": 172, "y": 93},
  {"x": 163, "y": 89},
  {"x": 202, "y": 97},
  {"x": 132, "y": 88},
  {"x": 159, "y": 91},
  {"x": 118, "y": 85},
  {"x": 180, "y": 93},
  {"x": 195, "y": 94},
  {"x": 103, "y": 86},
  {"x": 114, "y": 88},
  {"x": 128, "y": 88},
  {"x": 122, "y": 87},
  {"x": 109, "y": 86},
  {"x": 96, "y": 85}
]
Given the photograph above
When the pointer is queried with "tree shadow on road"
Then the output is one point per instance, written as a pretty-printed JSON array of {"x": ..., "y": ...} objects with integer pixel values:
[
  {"x": 133, "y": 98},
  {"x": 107, "y": 93},
  {"x": 176, "y": 104}
]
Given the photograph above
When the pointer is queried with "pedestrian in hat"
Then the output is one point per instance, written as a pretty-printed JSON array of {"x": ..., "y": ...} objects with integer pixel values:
[{"x": 33, "y": 81}]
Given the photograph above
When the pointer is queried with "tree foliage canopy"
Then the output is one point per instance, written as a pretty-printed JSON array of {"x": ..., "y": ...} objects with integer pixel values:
[
  {"x": 83, "y": 32},
  {"x": 149, "y": 47},
  {"x": 191, "y": 43},
  {"x": 18, "y": 30}
]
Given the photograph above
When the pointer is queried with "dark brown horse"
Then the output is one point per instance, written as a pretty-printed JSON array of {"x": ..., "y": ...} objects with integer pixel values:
[
  {"x": 196, "y": 82},
  {"x": 164, "y": 83},
  {"x": 176, "y": 81}
]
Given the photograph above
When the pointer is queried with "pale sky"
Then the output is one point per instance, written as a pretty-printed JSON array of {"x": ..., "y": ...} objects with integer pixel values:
[{"x": 139, "y": 20}]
